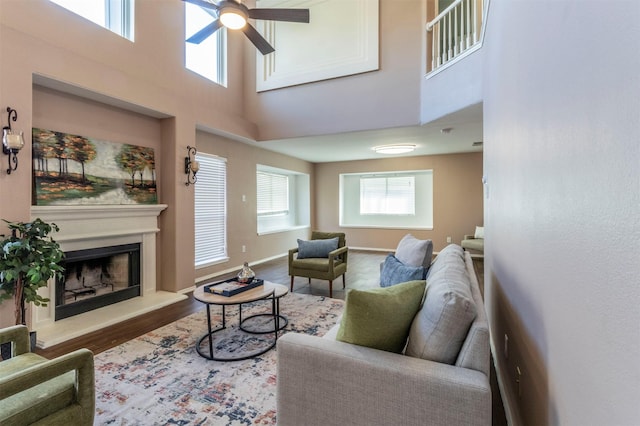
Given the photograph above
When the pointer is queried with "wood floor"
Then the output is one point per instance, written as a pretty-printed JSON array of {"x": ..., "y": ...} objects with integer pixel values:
[{"x": 364, "y": 268}]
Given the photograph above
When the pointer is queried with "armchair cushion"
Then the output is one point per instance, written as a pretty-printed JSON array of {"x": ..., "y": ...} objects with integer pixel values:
[
  {"x": 316, "y": 248},
  {"x": 395, "y": 272},
  {"x": 380, "y": 318}
]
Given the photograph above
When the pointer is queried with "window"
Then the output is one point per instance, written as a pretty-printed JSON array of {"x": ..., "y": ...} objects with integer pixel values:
[
  {"x": 114, "y": 15},
  {"x": 211, "y": 210},
  {"x": 387, "y": 195},
  {"x": 402, "y": 199},
  {"x": 283, "y": 199},
  {"x": 273, "y": 193},
  {"x": 209, "y": 58}
]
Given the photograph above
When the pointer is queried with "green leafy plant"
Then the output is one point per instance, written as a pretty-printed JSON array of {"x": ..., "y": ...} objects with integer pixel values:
[{"x": 29, "y": 257}]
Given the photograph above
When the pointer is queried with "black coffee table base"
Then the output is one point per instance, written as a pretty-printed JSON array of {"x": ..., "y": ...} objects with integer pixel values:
[{"x": 278, "y": 321}]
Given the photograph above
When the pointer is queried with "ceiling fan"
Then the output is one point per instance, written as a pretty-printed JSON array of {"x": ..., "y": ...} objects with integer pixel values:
[{"x": 234, "y": 15}]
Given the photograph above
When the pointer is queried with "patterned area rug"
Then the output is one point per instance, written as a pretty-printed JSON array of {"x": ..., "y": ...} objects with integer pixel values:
[{"x": 159, "y": 379}]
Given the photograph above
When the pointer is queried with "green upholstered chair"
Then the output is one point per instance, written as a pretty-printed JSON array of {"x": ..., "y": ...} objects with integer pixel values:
[
  {"x": 35, "y": 390},
  {"x": 328, "y": 268}
]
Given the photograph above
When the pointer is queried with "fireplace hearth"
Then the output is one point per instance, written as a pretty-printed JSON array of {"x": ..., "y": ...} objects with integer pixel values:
[{"x": 97, "y": 277}]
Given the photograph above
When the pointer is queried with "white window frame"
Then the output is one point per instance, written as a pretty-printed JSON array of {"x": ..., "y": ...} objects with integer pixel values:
[
  {"x": 298, "y": 212},
  {"x": 209, "y": 58},
  {"x": 352, "y": 216},
  {"x": 210, "y": 211},
  {"x": 117, "y": 16}
]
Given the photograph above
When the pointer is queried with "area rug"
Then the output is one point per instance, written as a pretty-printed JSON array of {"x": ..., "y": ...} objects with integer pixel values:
[{"x": 159, "y": 378}]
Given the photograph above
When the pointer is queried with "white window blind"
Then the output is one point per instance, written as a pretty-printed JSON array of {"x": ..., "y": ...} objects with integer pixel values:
[
  {"x": 273, "y": 193},
  {"x": 210, "y": 210},
  {"x": 392, "y": 195}
]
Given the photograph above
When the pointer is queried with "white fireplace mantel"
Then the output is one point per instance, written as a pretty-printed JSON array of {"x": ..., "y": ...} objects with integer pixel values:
[{"x": 93, "y": 226}]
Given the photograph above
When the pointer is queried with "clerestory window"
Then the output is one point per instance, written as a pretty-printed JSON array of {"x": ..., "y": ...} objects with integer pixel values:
[
  {"x": 208, "y": 58},
  {"x": 114, "y": 15}
]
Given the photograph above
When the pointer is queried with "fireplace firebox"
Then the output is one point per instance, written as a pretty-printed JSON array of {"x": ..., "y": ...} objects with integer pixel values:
[{"x": 97, "y": 277}]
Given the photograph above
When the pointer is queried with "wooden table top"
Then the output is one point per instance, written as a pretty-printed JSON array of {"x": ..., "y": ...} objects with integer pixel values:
[{"x": 257, "y": 293}]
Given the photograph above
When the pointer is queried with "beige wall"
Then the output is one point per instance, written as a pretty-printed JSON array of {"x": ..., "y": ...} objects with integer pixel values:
[
  {"x": 562, "y": 160},
  {"x": 457, "y": 198},
  {"x": 241, "y": 215}
]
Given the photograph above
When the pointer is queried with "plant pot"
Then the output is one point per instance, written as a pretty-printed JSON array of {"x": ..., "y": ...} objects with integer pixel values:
[{"x": 5, "y": 348}]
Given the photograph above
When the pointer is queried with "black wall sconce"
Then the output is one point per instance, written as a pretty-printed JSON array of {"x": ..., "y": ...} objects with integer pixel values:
[
  {"x": 11, "y": 142},
  {"x": 191, "y": 166}
]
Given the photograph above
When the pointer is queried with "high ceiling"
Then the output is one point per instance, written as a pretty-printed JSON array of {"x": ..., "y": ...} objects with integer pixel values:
[{"x": 465, "y": 125}]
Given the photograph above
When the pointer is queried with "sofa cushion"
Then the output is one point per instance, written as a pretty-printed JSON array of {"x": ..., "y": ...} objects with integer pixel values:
[
  {"x": 414, "y": 252},
  {"x": 316, "y": 248},
  {"x": 380, "y": 318},
  {"x": 395, "y": 272},
  {"x": 440, "y": 327}
]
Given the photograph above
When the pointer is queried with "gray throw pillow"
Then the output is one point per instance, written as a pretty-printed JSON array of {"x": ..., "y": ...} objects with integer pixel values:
[
  {"x": 395, "y": 272},
  {"x": 442, "y": 323},
  {"x": 316, "y": 248},
  {"x": 414, "y": 252}
]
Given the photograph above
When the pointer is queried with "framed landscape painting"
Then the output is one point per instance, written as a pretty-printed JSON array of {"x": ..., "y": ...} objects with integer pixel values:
[{"x": 71, "y": 170}]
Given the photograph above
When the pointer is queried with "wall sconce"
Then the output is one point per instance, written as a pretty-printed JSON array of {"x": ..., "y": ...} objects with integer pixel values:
[
  {"x": 11, "y": 142},
  {"x": 191, "y": 166}
]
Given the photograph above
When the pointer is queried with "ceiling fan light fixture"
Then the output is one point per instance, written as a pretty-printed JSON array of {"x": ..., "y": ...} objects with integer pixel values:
[
  {"x": 393, "y": 149},
  {"x": 232, "y": 18}
]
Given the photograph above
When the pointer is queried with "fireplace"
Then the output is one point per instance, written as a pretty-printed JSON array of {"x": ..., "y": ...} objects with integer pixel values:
[
  {"x": 97, "y": 277},
  {"x": 89, "y": 233}
]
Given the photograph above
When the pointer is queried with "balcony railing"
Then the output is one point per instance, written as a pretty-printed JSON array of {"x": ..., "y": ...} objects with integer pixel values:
[{"x": 455, "y": 32}]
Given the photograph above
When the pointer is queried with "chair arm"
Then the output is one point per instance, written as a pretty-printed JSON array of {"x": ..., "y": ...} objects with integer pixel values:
[
  {"x": 19, "y": 334},
  {"x": 340, "y": 251},
  {"x": 359, "y": 385},
  {"x": 469, "y": 237},
  {"x": 80, "y": 360},
  {"x": 292, "y": 252}
]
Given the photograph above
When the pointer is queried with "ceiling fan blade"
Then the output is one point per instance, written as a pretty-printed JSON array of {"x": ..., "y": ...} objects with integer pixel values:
[
  {"x": 288, "y": 15},
  {"x": 201, "y": 35},
  {"x": 202, "y": 3},
  {"x": 258, "y": 41}
]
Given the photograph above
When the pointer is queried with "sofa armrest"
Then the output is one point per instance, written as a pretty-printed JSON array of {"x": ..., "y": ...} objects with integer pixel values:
[{"x": 326, "y": 382}]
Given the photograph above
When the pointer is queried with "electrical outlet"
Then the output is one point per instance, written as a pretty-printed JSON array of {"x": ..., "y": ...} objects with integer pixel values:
[
  {"x": 506, "y": 346},
  {"x": 244, "y": 249},
  {"x": 448, "y": 239}
]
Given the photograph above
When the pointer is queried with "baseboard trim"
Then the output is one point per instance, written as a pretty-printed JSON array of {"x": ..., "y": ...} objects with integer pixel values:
[{"x": 506, "y": 402}]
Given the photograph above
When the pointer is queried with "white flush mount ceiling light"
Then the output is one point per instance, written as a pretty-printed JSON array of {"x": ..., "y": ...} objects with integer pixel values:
[
  {"x": 232, "y": 16},
  {"x": 393, "y": 149}
]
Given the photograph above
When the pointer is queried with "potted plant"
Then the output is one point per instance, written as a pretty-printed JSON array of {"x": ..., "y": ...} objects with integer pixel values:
[{"x": 29, "y": 257}]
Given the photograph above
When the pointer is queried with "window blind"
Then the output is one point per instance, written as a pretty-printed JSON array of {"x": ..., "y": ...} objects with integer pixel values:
[
  {"x": 273, "y": 193},
  {"x": 393, "y": 195},
  {"x": 210, "y": 210}
]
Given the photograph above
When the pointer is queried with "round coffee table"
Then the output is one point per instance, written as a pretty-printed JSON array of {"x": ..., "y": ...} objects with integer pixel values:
[
  {"x": 267, "y": 291},
  {"x": 281, "y": 321}
]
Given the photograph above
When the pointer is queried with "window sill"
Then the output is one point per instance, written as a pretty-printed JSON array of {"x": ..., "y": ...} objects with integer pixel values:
[
  {"x": 276, "y": 231},
  {"x": 422, "y": 228}
]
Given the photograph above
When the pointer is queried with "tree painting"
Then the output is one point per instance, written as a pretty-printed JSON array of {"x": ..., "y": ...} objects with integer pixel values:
[{"x": 72, "y": 169}]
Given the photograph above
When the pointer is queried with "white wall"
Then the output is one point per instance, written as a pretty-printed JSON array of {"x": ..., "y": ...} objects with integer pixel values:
[{"x": 562, "y": 160}]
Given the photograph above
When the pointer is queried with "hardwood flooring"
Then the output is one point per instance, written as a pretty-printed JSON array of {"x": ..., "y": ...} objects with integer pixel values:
[{"x": 364, "y": 267}]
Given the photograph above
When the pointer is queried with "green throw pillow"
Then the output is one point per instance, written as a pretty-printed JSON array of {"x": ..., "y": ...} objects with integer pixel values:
[{"x": 380, "y": 318}]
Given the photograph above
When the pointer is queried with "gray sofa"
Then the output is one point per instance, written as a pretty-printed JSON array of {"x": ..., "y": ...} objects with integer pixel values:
[{"x": 322, "y": 381}]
